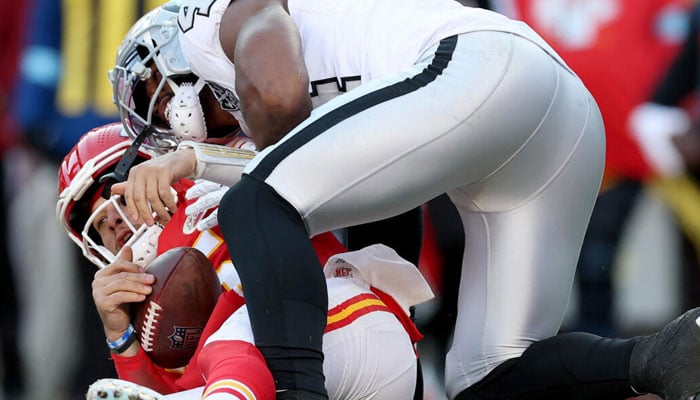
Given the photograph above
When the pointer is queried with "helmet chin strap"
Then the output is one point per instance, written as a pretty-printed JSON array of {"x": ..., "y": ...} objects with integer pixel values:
[
  {"x": 121, "y": 171},
  {"x": 184, "y": 112}
]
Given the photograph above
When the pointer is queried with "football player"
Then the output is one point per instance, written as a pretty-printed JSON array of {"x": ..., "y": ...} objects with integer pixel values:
[
  {"x": 370, "y": 340},
  {"x": 414, "y": 99}
]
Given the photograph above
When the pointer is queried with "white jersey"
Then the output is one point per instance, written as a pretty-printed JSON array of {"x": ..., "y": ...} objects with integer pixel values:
[
  {"x": 449, "y": 99},
  {"x": 339, "y": 40}
]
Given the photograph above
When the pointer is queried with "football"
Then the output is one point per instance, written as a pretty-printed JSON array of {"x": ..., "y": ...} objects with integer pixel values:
[{"x": 170, "y": 320}]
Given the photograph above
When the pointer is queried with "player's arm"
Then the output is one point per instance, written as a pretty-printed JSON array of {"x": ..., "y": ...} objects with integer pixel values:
[
  {"x": 148, "y": 189},
  {"x": 272, "y": 82},
  {"x": 148, "y": 185},
  {"x": 114, "y": 288}
]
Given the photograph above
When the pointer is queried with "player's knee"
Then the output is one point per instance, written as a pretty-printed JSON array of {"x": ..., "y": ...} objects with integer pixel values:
[
  {"x": 237, "y": 204},
  {"x": 251, "y": 201}
]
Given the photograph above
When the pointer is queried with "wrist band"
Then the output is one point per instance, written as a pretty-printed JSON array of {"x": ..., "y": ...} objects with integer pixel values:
[
  {"x": 120, "y": 345},
  {"x": 218, "y": 163}
]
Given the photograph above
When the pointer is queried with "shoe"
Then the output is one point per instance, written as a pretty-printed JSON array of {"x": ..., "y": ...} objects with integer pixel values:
[
  {"x": 298, "y": 395},
  {"x": 117, "y": 389},
  {"x": 667, "y": 363}
]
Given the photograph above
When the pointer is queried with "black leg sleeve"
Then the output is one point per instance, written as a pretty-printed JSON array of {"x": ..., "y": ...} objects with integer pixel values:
[
  {"x": 282, "y": 279},
  {"x": 573, "y": 366}
]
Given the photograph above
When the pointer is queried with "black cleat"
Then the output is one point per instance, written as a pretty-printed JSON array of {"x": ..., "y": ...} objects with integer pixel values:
[
  {"x": 298, "y": 395},
  {"x": 667, "y": 363}
]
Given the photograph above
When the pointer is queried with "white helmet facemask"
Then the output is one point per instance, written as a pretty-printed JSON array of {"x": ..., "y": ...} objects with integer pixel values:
[
  {"x": 143, "y": 240},
  {"x": 184, "y": 111}
]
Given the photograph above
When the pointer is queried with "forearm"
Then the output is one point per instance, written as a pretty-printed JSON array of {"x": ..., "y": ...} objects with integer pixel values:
[
  {"x": 216, "y": 163},
  {"x": 139, "y": 368}
]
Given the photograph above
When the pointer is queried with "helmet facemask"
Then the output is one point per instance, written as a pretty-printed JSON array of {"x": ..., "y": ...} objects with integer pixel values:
[
  {"x": 153, "y": 43},
  {"x": 143, "y": 240}
]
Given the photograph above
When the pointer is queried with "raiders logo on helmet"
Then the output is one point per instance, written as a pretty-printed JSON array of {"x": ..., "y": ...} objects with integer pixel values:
[{"x": 225, "y": 97}]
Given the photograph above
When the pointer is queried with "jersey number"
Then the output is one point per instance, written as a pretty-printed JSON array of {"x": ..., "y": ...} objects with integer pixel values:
[{"x": 188, "y": 13}]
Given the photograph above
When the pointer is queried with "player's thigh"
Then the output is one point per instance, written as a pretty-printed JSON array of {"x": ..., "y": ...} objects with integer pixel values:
[
  {"x": 348, "y": 164},
  {"x": 525, "y": 227}
]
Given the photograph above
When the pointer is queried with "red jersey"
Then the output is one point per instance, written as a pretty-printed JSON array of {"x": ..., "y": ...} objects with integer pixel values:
[
  {"x": 181, "y": 231},
  {"x": 619, "y": 48}
]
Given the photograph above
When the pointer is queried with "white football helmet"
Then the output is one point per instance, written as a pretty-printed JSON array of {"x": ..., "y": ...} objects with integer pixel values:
[
  {"x": 95, "y": 155},
  {"x": 153, "y": 41}
]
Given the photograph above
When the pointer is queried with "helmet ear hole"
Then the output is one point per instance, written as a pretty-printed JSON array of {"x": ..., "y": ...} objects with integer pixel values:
[{"x": 143, "y": 51}]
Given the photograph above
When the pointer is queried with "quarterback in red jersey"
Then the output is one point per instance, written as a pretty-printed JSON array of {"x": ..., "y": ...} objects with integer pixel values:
[{"x": 366, "y": 313}]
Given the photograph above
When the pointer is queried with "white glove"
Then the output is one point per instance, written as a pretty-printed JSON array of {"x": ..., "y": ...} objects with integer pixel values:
[{"x": 208, "y": 195}]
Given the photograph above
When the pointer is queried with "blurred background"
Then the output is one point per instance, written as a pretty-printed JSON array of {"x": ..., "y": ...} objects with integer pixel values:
[{"x": 638, "y": 267}]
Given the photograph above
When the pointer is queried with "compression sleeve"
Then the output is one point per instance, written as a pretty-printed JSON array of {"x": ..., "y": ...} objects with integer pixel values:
[{"x": 141, "y": 369}]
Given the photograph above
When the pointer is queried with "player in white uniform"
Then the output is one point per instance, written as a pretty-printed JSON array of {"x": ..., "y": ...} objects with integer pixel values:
[{"x": 444, "y": 99}]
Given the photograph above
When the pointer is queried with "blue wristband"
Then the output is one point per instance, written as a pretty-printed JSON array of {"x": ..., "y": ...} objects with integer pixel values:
[{"x": 120, "y": 345}]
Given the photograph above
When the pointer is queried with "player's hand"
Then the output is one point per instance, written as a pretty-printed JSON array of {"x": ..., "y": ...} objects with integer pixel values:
[
  {"x": 208, "y": 195},
  {"x": 148, "y": 188},
  {"x": 114, "y": 288}
]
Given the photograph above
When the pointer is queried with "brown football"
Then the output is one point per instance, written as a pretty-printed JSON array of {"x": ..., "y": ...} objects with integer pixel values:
[{"x": 171, "y": 319}]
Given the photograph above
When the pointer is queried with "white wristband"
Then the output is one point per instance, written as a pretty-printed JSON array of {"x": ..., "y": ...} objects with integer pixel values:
[
  {"x": 218, "y": 163},
  {"x": 122, "y": 344}
]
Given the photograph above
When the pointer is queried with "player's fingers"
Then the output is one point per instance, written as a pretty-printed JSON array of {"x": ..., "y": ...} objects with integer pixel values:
[
  {"x": 124, "y": 282},
  {"x": 129, "y": 188},
  {"x": 118, "y": 188},
  {"x": 126, "y": 254},
  {"x": 156, "y": 203},
  {"x": 140, "y": 286},
  {"x": 208, "y": 222},
  {"x": 200, "y": 188},
  {"x": 125, "y": 189},
  {"x": 117, "y": 267},
  {"x": 122, "y": 279},
  {"x": 201, "y": 204},
  {"x": 206, "y": 202},
  {"x": 214, "y": 198},
  {"x": 166, "y": 195},
  {"x": 112, "y": 301},
  {"x": 193, "y": 208},
  {"x": 120, "y": 298},
  {"x": 142, "y": 192}
]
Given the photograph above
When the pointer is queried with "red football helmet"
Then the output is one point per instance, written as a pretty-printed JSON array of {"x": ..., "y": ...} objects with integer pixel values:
[{"x": 96, "y": 154}]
